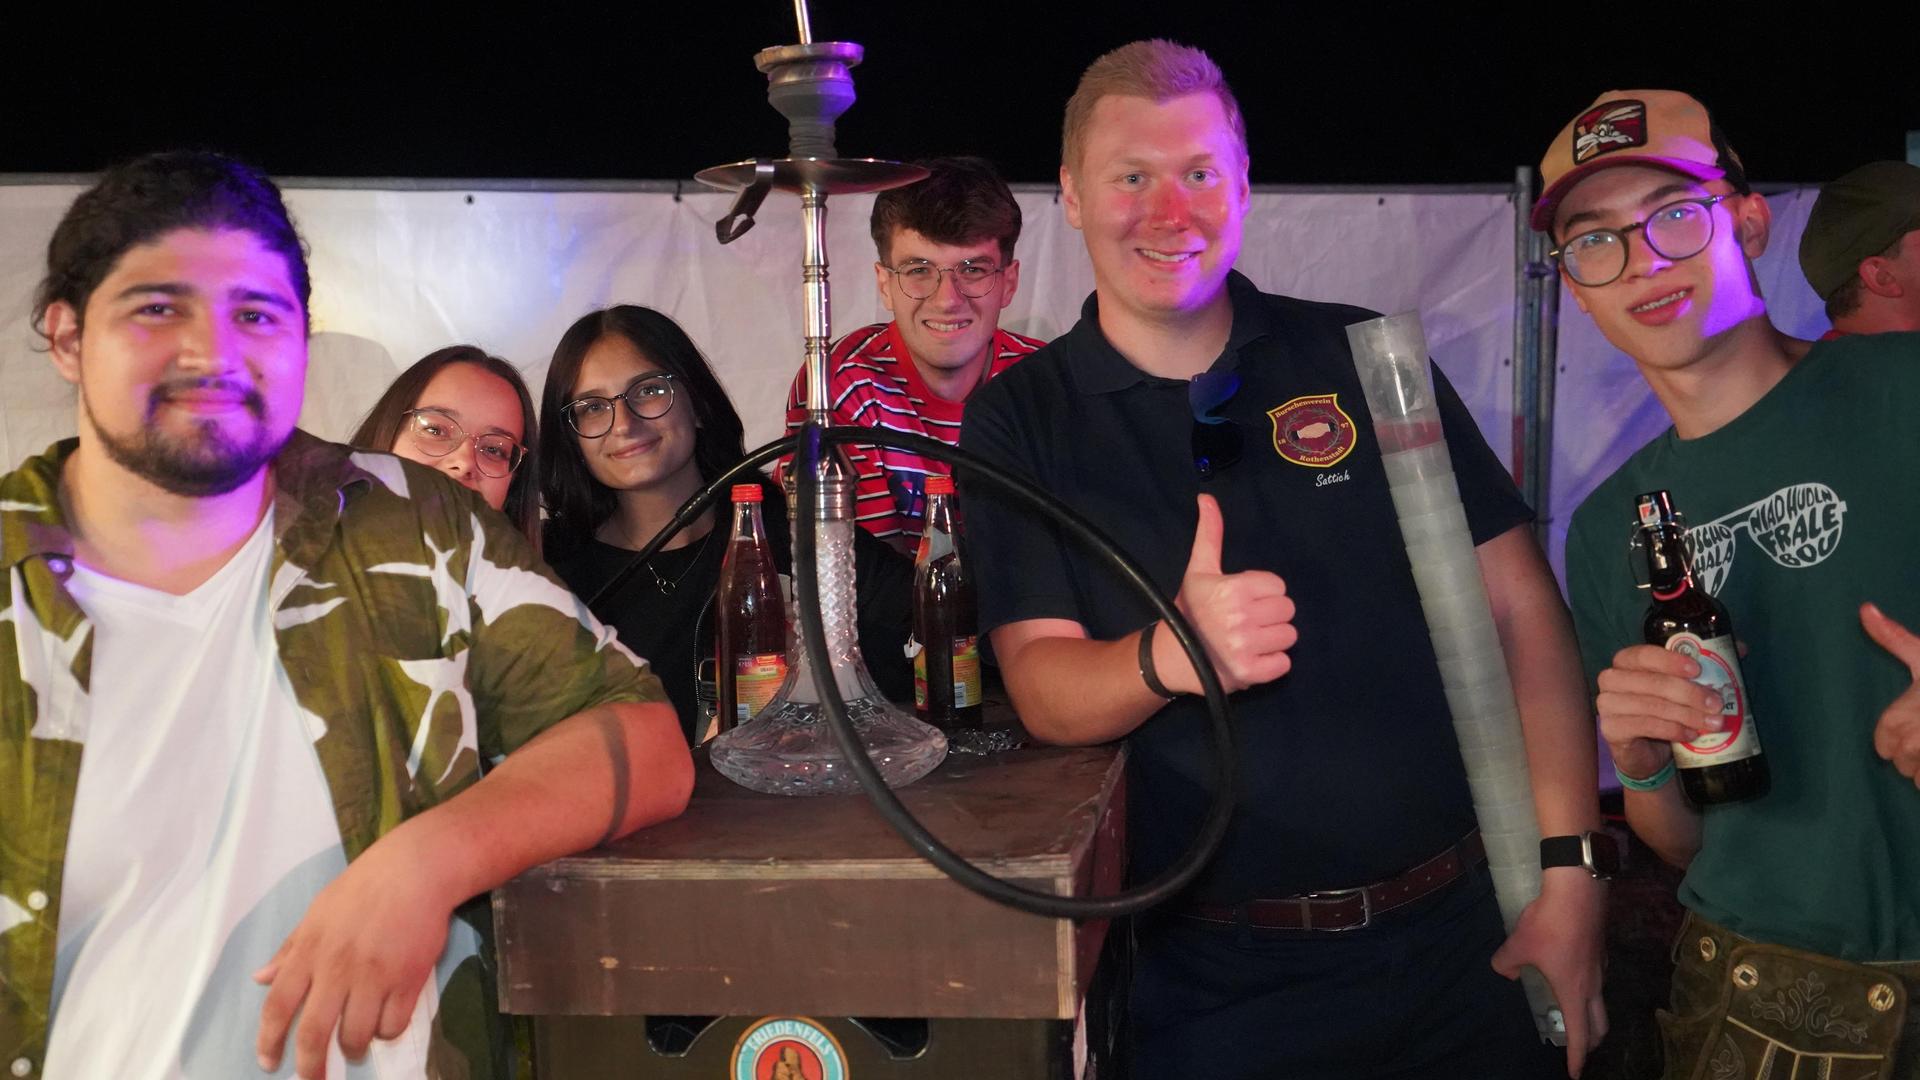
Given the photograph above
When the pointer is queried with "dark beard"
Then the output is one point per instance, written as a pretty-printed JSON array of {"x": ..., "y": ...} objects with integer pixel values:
[{"x": 196, "y": 467}]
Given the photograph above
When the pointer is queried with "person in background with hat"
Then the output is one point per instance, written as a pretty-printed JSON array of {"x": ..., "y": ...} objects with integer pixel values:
[
  {"x": 1861, "y": 250},
  {"x": 1798, "y": 468}
]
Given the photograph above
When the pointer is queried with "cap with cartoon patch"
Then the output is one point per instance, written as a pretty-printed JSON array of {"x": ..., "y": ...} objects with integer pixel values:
[{"x": 1663, "y": 128}]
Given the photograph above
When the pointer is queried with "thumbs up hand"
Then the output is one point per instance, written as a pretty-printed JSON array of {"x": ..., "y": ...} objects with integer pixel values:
[
  {"x": 1897, "y": 736},
  {"x": 1245, "y": 620}
]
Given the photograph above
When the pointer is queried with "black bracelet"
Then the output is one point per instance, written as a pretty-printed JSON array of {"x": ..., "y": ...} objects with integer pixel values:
[{"x": 1147, "y": 674}]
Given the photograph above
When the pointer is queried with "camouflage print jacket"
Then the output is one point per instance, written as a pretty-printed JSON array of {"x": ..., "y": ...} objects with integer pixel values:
[{"x": 421, "y": 634}]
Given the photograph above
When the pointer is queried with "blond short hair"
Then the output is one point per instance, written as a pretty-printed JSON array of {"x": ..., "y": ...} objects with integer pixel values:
[{"x": 1156, "y": 69}]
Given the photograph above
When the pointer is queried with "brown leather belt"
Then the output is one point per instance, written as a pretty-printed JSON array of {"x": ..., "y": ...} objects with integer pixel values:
[{"x": 1347, "y": 909}]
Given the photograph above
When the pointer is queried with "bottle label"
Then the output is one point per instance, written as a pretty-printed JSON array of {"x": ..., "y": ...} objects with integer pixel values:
[
  {"x": 966, "y": 671},
  {"x": 1737, "y": 738},
  {"x": 755, "y": 680},
  {"x": 934, "y": 544},
  {"x": 919, "y": 654}
]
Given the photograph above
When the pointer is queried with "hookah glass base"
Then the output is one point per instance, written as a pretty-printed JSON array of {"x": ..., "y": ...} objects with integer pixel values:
[{"x": 788, "y": 749}]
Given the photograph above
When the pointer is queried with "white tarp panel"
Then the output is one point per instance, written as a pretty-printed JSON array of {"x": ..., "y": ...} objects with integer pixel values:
[{"x": 400, "y": 273}]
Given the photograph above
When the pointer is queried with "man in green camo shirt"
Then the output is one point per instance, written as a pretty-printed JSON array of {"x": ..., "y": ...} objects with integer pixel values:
[{"x": 272, "y": 712}]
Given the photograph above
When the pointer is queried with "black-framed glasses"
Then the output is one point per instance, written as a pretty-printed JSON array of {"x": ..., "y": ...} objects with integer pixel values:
[
  {"x": 920, "y": 279},
  {"x": 437, "y": 435},
  {"x": 1217, "y": 440},
  {"x": 648, "y": 397},
  {"x": 1678, "y": 230}
]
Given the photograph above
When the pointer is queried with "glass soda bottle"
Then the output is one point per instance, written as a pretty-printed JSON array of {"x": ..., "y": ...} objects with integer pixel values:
[
  {"x": 1718, "y": 766},
  {"x": 946, "y": 665},
  {"x": 750, "y": 653}
]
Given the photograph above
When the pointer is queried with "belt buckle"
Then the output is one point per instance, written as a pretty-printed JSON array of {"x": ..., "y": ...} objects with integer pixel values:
[{"x": 1366, "y": 909}]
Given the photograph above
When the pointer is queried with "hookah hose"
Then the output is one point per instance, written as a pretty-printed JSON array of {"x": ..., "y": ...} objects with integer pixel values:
[{"x": 808, "y": 445}]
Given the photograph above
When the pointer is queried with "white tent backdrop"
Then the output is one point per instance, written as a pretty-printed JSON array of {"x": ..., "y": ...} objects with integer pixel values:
[
  {"x": 398, "y": 273},
  {"x": 405, "y": 272}
]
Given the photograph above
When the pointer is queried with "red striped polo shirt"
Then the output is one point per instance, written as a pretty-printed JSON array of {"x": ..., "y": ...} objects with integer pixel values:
[{"x": 872, "y": 382}]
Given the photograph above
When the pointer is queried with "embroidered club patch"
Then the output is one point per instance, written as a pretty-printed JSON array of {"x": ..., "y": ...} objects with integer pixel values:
[
  {"x": 1609, "y": 126},
  {"x": 1313, "y": 430},
  {"x": 788, "y": 1048}
]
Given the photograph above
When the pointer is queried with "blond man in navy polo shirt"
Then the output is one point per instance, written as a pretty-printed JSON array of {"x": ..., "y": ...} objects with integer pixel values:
[{"x": 1351, "y": 777}]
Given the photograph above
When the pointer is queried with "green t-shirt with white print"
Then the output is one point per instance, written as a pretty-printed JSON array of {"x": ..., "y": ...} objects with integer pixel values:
[{"x": 1797, "y": 511}]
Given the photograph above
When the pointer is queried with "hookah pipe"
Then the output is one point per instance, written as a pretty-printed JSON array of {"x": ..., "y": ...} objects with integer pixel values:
[
  {"x": 810, "y": 85},
  {"x": 807, "y": 447}
]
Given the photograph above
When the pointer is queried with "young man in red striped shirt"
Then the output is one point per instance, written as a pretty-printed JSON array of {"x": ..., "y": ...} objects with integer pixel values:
[{"x": 946, "y": 271}]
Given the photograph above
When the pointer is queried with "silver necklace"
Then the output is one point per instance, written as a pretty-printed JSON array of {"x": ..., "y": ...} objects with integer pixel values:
[{"x": 667, "y": 587}]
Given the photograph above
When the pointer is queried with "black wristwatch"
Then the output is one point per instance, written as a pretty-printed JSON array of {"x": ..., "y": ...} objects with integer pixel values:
[{"x": 1596, "y": 852}]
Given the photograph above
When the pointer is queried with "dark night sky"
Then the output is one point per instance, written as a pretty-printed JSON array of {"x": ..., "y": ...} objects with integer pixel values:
[{"x": 1342, "y": 93}]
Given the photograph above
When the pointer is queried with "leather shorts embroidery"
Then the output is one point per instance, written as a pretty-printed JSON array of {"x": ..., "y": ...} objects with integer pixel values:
[{"x": 1743, "y": 1010}]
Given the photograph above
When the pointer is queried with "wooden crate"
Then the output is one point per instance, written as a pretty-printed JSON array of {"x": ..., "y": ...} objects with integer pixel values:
[{"x": 752, "y": 904}]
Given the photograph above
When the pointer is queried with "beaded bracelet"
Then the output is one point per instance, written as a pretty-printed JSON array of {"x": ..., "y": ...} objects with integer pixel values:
[{"x": 1652, "y": 783}]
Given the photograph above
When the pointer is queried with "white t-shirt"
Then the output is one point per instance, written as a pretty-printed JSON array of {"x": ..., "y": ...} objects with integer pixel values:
[{"x": 202, "y": 830}]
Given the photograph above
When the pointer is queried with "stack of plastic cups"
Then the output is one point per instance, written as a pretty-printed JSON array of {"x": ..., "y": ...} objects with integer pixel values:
[{"x": 1391, "y": 356}]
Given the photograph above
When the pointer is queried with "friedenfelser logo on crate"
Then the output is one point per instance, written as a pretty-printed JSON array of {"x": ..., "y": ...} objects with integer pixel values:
[
  {"x": 1313, "y": 431},
  {"x": 788, "y": 1048}
]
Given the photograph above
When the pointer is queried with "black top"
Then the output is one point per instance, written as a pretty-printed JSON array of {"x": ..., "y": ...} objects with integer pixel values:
[
  {"x": 1350, "y": 772},
  {"x": 675, "y": 630}
]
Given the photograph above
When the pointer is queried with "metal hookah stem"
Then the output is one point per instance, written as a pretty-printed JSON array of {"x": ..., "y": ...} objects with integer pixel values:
[
  {"x": 819, "y": 319},
  {"x": 819, "y": 313}
]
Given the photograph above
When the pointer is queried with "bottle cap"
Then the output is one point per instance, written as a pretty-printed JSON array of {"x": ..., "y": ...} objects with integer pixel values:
[
  {"x": 1654, "y": 508},
  {"x": 939, "y": 485},
  {"x": 747, "y": 493}
]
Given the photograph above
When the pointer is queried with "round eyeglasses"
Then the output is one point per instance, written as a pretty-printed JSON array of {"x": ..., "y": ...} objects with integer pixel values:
[
  {"x": 920, "y": 279},
  {"x": 437, "y": 435},
  {"x": 1678, "y": 230},
  {"x": 648, "y": 397}
]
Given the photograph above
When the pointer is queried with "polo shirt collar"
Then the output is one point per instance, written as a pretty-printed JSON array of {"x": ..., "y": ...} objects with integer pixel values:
[{"x": 1100, "y": 369}]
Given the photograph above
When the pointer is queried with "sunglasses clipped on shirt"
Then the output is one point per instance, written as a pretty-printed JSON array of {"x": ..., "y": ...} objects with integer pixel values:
[{"x": 1217, "y": 440}]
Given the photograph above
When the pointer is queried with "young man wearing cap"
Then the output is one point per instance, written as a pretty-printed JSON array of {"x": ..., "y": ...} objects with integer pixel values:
[
  {"x": 1861, "y": 250},
  {"x": 1797, "y": 466},
  {"x": 274, "y": 715},
  {"x": 1347, "y": 927},
  {"x": 946, "y": 271}
]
